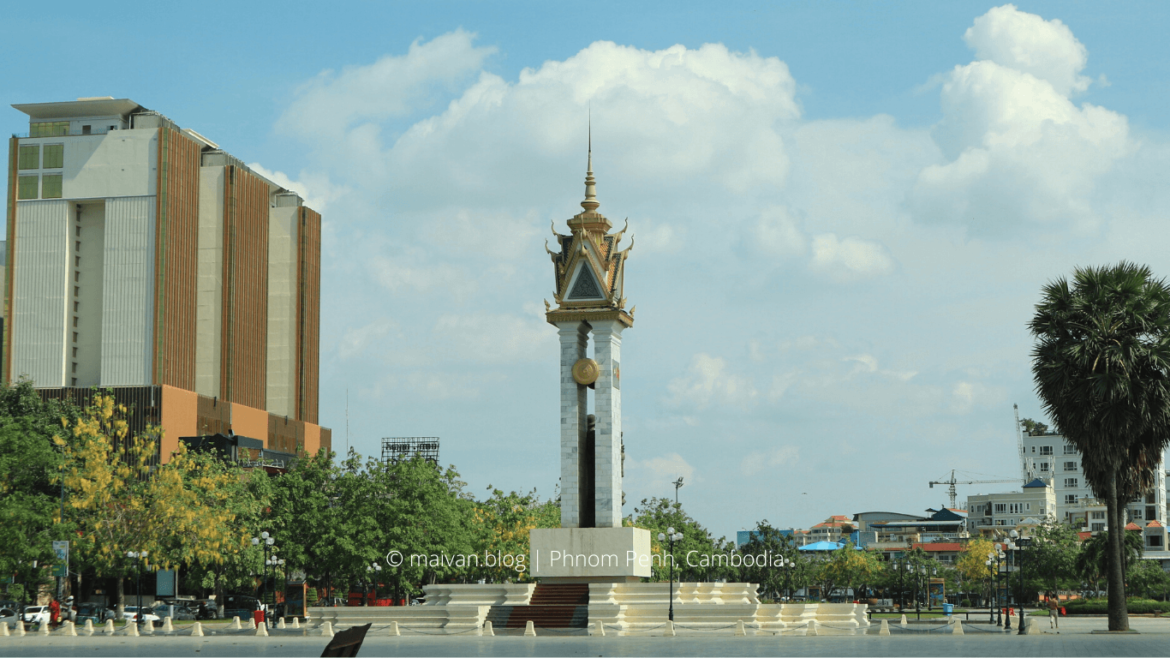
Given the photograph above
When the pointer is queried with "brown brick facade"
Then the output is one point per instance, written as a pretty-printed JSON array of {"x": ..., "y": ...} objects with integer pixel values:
[
  {"x": 244, "y": 356},
  {"x": 176, "y": 259},
  {"x": 308, "y": 314}
]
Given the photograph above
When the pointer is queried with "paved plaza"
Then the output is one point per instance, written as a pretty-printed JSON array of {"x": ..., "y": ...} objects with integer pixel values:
[{"x": 1075, "y": 639}]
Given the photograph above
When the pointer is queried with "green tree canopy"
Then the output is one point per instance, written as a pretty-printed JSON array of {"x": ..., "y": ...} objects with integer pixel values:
[{"x": 1102, "y": 368}]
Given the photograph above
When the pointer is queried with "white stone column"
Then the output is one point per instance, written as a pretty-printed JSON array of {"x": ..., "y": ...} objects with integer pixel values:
[
  {"x": 574, "y": 339},
  {"x": 607, "y": 351}
]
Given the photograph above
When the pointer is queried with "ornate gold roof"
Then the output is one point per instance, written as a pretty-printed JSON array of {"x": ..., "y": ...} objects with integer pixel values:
[{"x": 589, "y": 266}]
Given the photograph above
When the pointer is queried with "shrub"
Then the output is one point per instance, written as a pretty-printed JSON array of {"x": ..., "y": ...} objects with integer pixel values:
[
  {"x": 966, "y": 603},
  {"x": 1101, "y": 606}
]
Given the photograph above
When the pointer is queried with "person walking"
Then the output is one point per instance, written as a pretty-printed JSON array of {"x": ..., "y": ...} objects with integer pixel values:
[
  {"x": 1053, "y": 611},
  {"x": 54, "y": 612}
]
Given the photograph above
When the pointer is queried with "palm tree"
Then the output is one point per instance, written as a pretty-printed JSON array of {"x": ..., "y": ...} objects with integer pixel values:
[
  {"x": 1092, "y": 561},
  {"x": 1102, "y": 371}
]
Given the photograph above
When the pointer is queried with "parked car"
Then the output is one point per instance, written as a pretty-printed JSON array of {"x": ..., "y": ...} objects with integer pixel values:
[
  {"x": 177, "y": 611},
  {"x": 239, "y": 605},
  {"x": 35, "y": 614},
  {"x": 131, "y": 614},
  {"x": 94, "y": 611},
  {"x": 8, "y": 617}
]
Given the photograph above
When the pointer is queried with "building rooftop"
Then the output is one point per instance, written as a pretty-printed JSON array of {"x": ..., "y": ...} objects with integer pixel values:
[{"x": 82, "y": 107}]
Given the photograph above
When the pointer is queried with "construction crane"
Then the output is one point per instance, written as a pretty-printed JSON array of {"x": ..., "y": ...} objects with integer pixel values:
[
  {"x": 1020, "y": 444},
  {"x": 952, "y": 482}
]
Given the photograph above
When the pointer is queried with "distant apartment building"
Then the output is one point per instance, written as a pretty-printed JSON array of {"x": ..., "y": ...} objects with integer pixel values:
[
  {"x": 143, "y": 258},
  {"x": 1055, "y": 460},
  {"x": 996, "y": 513}
]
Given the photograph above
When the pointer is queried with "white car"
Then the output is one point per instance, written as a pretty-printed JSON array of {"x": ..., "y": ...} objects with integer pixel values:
[
  {"x": 35, "y": 614},
  {"x": 8, "y": 617},
  {"x": 131, "y": 614}
]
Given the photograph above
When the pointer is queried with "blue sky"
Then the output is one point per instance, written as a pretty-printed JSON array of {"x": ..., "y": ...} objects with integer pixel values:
[{"x": 844, "y": 213}]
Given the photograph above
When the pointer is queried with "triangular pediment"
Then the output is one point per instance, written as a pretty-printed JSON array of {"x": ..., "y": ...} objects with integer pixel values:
[{"x": 584, "y": 286}]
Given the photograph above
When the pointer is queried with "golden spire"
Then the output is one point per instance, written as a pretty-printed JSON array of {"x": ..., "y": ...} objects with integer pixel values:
[{"x": 590, "y": 204}]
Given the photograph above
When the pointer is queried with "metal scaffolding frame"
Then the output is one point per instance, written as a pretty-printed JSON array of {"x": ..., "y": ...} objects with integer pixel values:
[{"x": 398, "y": 448}]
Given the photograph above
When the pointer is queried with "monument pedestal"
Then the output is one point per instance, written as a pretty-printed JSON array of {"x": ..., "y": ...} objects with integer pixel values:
[{"x": 589, "y": 555}]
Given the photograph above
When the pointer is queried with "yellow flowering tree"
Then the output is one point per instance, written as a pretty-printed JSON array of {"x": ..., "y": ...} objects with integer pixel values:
[
  {"x": 120, "y": 500},
  {"x": 972, "y": 563},
  {"x": 503, "y": 522}
]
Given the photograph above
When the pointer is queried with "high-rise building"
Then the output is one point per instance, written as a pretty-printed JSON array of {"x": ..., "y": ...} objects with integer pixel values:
[
  {"x": 143, "y": 258},
  {"x": 1051, "y": 458}
]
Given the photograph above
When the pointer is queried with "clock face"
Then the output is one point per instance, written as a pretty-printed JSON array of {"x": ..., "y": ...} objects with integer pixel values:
[{"x": 585, "y": 371}]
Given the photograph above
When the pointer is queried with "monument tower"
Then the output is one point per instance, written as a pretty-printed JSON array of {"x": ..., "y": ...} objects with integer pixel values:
[{"x": 589, "y": 273}]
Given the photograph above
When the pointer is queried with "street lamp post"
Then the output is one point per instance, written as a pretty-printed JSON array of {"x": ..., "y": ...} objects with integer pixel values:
[
  {"x": 673, "y": 537},
  {"x": 901, "y": 589},
  {"x": 375, "y": 570},
  {"x": 265, "y": 541},
  {"x": 138, "y": 555},
  {"x": 999, "y": 568},
  {"x": 1012, "y": 560},
  {"x": 991, "y": 599},
  {"x": 1022, "y": 543},
  {"x": 917, "y": 600}
]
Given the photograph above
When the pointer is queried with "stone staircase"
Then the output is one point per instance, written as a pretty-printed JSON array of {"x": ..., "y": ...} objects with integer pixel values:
[{"x": 551, "y": 606}]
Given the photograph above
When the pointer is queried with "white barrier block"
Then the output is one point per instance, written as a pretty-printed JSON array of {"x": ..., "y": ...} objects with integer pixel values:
[
  {"x": 20, "y": 632},
  {"x": 958, "y": 628},
  {"x": 4, "y": 630},
  {"x": 669, "y": 628},
  {"x": 88, "y": 627},
  {"x": 168, "y": 627},
  {"x": 235, "y": 624},
  {"x": 812, "y": 627},
  {"x": 280, "y": 623},
  {"x": 148, "y": 628},
  {"x": 261, "y": 630},
  {"x": 739, "y": 628},
  {"x": 600, "y": 628},
  {"x": 885, "y": 630},
  {"x": 109, "y": 627},
  {"x": 67, "y": 628},
  {"x": 131, "y": 629},
  {"x": 487, "y": 629},
  {"x": 529, "y": 629},
  {"x": 44, "y": 628},
  {"x": 394, "y": 628},
  {"x": 903, "y": 621},
  {"x": 251, "y": 623},
  {"x": 327, "y": 629},
  {"x": 197, "y": 630},
  {"x": 296, "y": 622}
]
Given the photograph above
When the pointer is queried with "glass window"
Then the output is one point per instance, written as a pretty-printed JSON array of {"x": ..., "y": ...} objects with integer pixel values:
[
  {"x": 54, "y": 156},
  {"x": 1071, "y": 483},
  {"x": 48, "y": 129},
  {"x": 27, "y": 187},
  {"x": 29, "y": 157},
  {"x": 1098, "y": 515},
  {"x": 51, "y": 186},
  {"x": 1098, "y": 527},
  {"x": 1070, "y": 449},
  {"x": 1070, "y": 499},
  {"x": 1068, "y": 466},
  {"x": 1043, "y": 466},
  {"x": 1046, "y": 450}
]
